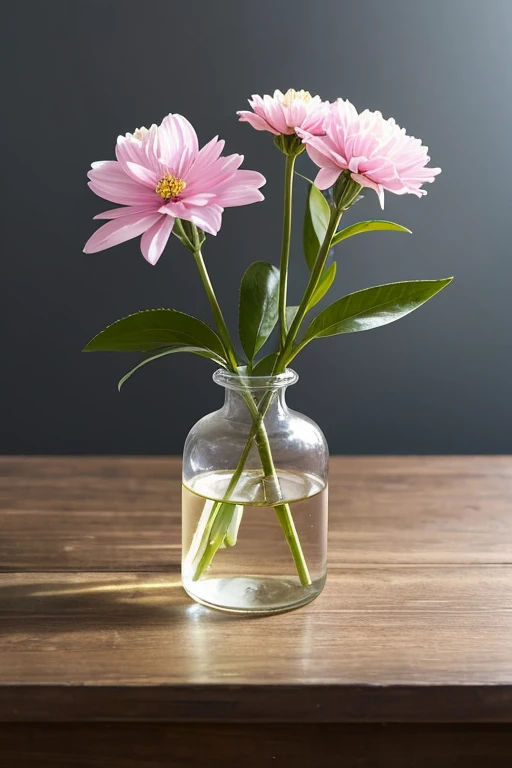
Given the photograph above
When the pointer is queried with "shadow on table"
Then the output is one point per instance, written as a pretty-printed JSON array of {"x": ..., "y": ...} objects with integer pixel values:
[{"x": 96, "y": 602}]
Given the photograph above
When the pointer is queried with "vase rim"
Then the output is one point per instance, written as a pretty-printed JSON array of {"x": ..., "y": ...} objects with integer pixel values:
[{"x": 240, "y": 381}]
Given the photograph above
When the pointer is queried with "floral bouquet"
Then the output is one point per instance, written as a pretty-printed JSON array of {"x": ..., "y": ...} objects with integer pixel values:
[{"x": 255, "y": 472}]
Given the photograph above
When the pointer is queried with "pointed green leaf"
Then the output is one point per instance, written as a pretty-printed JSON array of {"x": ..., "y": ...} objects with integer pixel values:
[
  {"x": 373, "y": 307},
  {"x": 367, "y": 226},
  {"x": 320, "y": 212},
  {"x": 180, "y": 234},
  {"x": 290, "y": 315},
  {"x": 306, "y": 178},
  {"x": 316, "y": 220},
  {"x": 265, "y": 366},
  {"x": 259, "y": 293},
  {"x": 150, "y": 356},
  {"x": 325, "y": 282},
  {"x": 154, "y": 329}
]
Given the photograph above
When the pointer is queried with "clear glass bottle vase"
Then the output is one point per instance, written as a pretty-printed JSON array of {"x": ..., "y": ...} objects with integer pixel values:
[{"x": 254, "y": 501}]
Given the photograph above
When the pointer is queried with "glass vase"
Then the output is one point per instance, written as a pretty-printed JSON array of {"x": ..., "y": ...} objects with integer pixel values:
[{"x": 254, "y": 501}]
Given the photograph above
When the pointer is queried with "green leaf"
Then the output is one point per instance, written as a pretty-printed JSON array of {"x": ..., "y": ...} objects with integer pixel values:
[
  {"x": 154, "y": 329},
  {"x": 325, "y": 282},
  {"x": 366, "y": 226},
  {"x": 290, "y": 315},
  {"x": 306, "y": 178},
  {"x": 259, "y": 295},
  {"x": 265, "y": 366},
  {"x": 181, "y": 235},
  {"x": 316, "y": 220},
  {"x": 373, "y": 307},
  {"x": 150, "y": 356}
]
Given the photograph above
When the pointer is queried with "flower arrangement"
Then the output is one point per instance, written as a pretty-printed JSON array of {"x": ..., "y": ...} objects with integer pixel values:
[{"x": 165, "y": 184}]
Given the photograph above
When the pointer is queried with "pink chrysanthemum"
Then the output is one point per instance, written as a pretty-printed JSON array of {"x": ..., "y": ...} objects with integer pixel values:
[
  {"x": 378, "y": 152},
  {"x": 283, "y": 113},
  {"x": 160, "y": 175}
]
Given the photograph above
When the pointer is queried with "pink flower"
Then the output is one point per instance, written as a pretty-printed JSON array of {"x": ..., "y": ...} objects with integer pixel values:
[
  {"x": 285, "y": 112},
  {"x": 160, "y": 175},
  {"x": 378, "y": 152}
]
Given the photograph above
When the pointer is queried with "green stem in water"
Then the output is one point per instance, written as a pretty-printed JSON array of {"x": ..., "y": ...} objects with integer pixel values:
[
  {"x": 219, "y": 517},
  {"x": 285, "y": 246}
]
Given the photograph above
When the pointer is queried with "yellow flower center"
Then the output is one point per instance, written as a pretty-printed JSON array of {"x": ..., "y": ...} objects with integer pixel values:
[
  {"x": 291, "y": 94},
  {"x": 169, "y": 186}
]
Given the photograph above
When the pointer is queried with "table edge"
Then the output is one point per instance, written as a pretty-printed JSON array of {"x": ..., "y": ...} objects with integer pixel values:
[{"x": 327, "y": 703}]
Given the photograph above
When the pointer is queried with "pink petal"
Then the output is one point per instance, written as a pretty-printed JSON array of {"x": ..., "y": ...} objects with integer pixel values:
[
  {"x": 377, "y": 166},
  {"x": 118, "y": 231},
  {"x": 130, "y": 150},
  {"x": 206, "y": 156},
  {"x": 344, "y": 114},
  {"x": 320, "y": 151},
  {"x": 154, "y": 239},
  {"x": 132, "y": 156},
  {"x": 257, "y": 105},
  {"x": 274, "y": 114},
  {"x": 242, "y": 178},
  {"x": 214, "y": 175},
  {"x": 257, "y": 122},
  {"x": 421, "y": 174},
  {"x": 140, "y": 151},
  {"x": 320, "y": 158},
  {"x": 177, "y": 144},
  {"x": 365, "y": 182},
  {"x": 314, "y": 122},
  {"x": 326, "y": 177},
  {"x": 202, "y": 198},
  {"x": 296, "y": 113},
  {"x": 115, "y": 213},
  {"x": 177, "y": 210},
  {"x": 209, "y": 219},
  {"x": 361, "y": 145},
  {"x": 240, "y": 196},
  {"x": 143, "y": 175},
  {"x": 240, "y": 189},
  {"x": 108, "y": 180}
]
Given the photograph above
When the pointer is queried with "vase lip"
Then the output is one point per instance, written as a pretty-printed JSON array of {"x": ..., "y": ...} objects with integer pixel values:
[{"x": 240, "y": 381}]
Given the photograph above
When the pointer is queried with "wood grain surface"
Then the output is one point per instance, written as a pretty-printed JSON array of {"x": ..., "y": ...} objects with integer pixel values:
[{"x": 414, "y": 625}]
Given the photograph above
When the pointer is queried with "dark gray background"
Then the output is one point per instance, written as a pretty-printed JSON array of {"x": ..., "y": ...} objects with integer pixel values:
[{"x": 79, "y": 73}]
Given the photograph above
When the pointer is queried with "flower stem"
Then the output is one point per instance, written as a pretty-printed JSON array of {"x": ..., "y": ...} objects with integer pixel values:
[
  {"x": 283, "y": 511},
  {"x": 217, "y": 312},
  {"x": 285, "y": 246},
  {"x": 219, "y": 518},
  {"x": 314, "y": 279},
  {"x": 345, "y": 193}
]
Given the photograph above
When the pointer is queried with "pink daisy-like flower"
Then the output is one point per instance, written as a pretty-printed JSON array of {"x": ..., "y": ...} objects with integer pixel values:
[
  {"x": 283, "y": 113},
  {"x": 377, "y": 152},
  {"x": 160, "y": 175}
]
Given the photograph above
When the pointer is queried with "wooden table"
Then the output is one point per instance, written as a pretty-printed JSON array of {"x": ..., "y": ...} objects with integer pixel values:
[{"x": 405, "y": 660}]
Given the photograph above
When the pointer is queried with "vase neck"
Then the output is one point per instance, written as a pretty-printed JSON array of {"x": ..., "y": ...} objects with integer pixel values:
[
  {"x": 244, "y": 393},
  {"x": 236, "y": 405}
]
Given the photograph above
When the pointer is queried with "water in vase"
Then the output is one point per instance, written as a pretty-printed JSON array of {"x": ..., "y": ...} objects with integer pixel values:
[{"x": 236, "y": 556}]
